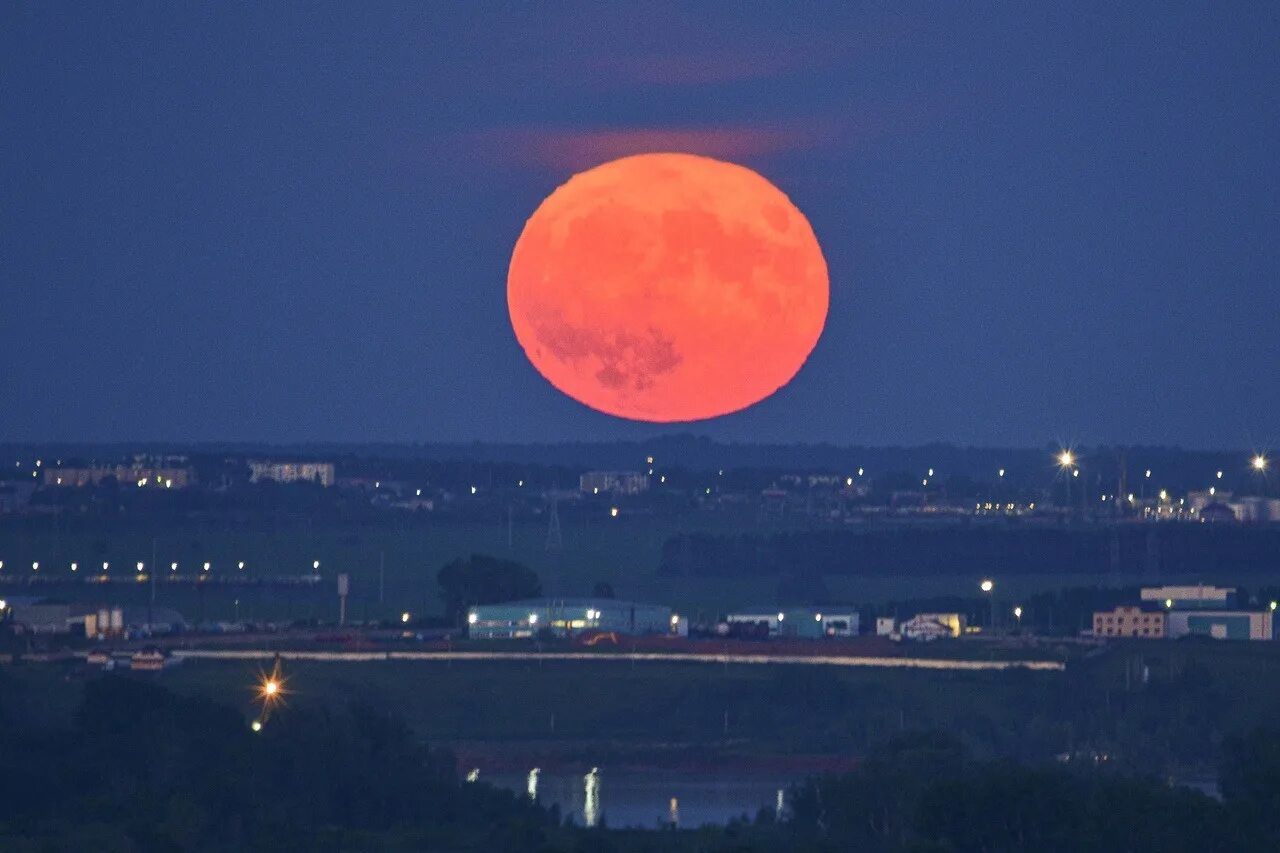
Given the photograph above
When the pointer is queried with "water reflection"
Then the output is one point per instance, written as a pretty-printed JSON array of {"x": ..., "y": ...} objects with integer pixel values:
[
  {"x": 591, "y": 798},
  {"x": 651, "y": 798}
]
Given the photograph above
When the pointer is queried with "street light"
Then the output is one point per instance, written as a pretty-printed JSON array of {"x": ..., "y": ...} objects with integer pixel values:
[
  {"x": 1017, "y": 614},
  {"x": 1066, "y": 459},
  {"x": 404, "y": 617},
  {"x": 1259, "y": 463},
  {"x": 987, "y": 585}
]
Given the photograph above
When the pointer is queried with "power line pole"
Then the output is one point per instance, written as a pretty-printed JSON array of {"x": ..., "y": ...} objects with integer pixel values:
[
  {"x": 555, "y": 542},
  {"x": 151, "y": 602}
]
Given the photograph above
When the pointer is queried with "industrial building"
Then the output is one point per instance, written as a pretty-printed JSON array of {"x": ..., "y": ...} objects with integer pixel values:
[
  {"x": 565, "y": 617},
  {"x": 1223, "y": 624},
  {"x": 139, "y": 474},
  {"x": 613, "y": 482},
  {"x": 1144, "y": 622},
  {"x": 291, "y": 472},
  {"x": 1198, "y": 597},
  {"x": 811, "y": 622}
]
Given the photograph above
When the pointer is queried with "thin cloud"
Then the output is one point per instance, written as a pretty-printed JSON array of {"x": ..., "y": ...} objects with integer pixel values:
[
  {"x": 709, "y": 67},
  {"x": 570, "y": 149}
]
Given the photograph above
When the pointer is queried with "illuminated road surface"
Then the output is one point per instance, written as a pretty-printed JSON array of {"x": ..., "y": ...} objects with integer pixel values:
[{"x": 668, "y": 657}]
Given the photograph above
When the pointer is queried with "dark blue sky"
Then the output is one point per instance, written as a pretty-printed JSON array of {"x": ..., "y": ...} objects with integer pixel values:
[{"x": 293, "y": 221}]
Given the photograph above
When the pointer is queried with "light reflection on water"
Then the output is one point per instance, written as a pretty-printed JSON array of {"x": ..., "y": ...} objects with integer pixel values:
[
  {"x": 591, "y": 797},
  {"x": 621, "y": 798}
]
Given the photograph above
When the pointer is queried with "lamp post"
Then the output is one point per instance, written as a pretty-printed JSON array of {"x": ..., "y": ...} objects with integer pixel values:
[
  {"x": 987, "y": 586},
  {"x": 1067, "y": 462}
]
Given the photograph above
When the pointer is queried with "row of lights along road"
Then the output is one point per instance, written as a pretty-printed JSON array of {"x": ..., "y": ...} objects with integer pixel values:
[{"x": 141, "y": 566}]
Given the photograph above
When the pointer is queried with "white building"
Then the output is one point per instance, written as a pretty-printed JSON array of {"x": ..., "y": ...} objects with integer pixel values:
[
  {"x": 924, "y": 629},
  {"x": 803, "y": 622},
  {"x": 292, "y": 472},
  {"x": 1255, "y": 509},
  {"x": 613, "y": 482},
  {"x": 932, "y": 626},
  {"x": 1198, "y": 597}
]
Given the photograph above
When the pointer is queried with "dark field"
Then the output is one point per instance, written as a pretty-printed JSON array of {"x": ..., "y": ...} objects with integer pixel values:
[
  {"x": 626, "y": 552},
  {"x": 1194, "y": 694}
]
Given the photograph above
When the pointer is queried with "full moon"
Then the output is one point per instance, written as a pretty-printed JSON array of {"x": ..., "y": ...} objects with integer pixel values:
[{"x": 667, "y": 287}]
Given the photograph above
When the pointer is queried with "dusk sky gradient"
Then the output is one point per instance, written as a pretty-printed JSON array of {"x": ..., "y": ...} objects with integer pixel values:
[{"x": 292, "y": 222}]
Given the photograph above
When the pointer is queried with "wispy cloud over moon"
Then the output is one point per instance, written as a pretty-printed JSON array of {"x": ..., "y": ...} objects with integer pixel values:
[{"x": 571, "y": 149}]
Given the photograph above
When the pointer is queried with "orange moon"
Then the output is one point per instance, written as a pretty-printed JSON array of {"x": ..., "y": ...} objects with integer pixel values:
[{"x": 667, "y": 287}]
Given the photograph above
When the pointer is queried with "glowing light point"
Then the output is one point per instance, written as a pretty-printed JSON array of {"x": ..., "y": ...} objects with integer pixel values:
[{"x": 987, "y": 585}]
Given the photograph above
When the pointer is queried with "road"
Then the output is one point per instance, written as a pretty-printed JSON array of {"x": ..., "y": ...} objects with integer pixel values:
[{"x": 670, "y": 657}]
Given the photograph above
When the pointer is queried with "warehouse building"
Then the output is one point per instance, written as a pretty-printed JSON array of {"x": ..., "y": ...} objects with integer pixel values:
[
  {"x": 1222, "y": 624},
  {"x": 565, "y": 617},
  {"x": 613, "y": 482},
  {"x": 1198, "y": 597},
  {"x": 811, "y": 622}
]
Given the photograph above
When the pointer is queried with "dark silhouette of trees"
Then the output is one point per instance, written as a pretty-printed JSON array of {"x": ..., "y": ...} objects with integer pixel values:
[{"x": 481, "y": 579}]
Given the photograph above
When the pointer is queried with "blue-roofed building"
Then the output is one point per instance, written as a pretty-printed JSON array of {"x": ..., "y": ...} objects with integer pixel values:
[{"x": 568, "y": 616}]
